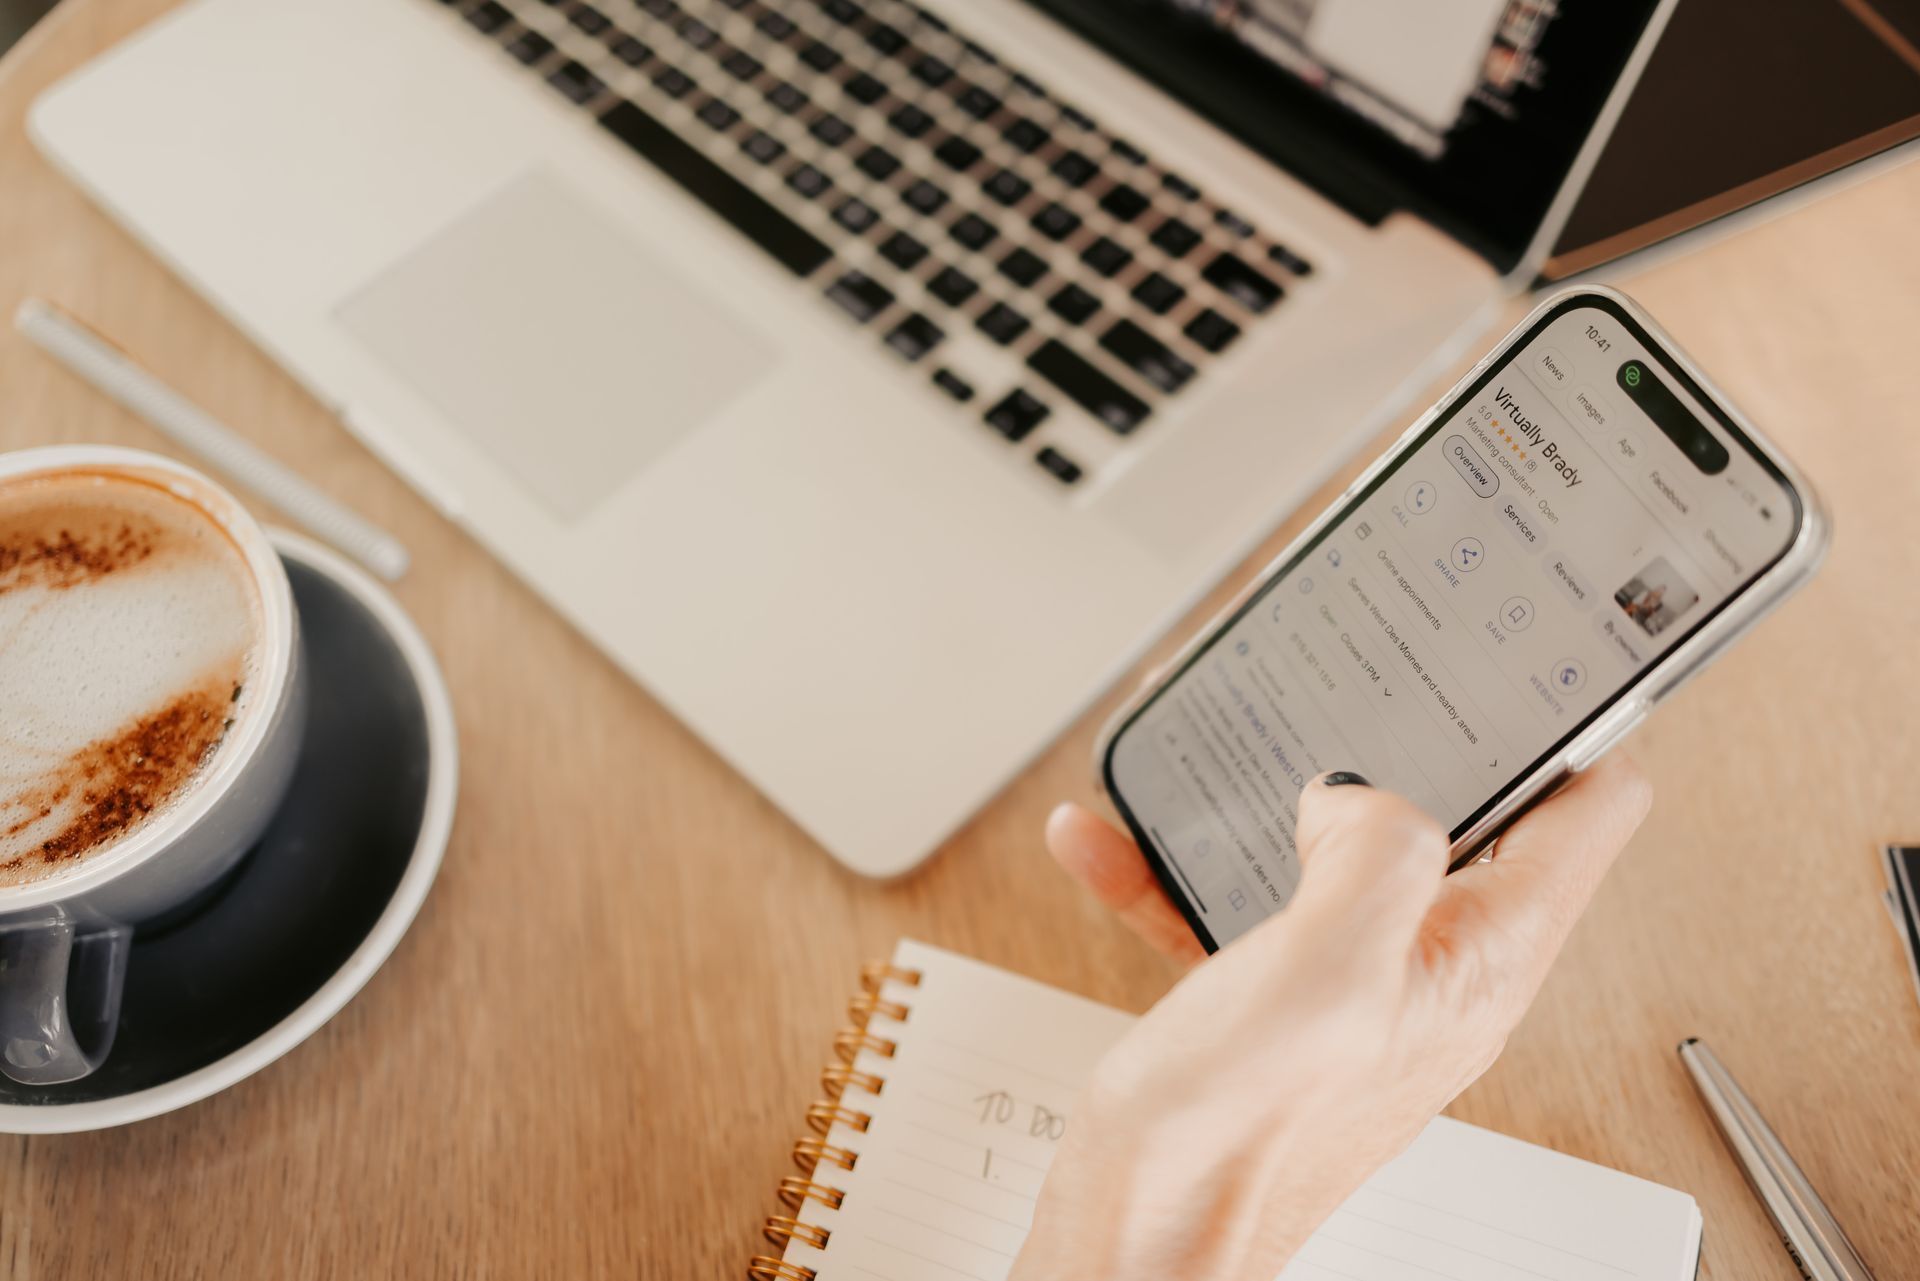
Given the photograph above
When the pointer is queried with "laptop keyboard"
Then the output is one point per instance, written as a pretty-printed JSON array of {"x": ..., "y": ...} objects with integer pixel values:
[{"x": 929, "y": 188}]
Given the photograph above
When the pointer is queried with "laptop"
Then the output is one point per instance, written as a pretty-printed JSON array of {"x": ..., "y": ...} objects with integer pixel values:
[{"x": 872, "y": 381}]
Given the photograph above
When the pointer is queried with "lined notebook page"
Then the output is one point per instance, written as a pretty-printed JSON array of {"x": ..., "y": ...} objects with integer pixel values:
[{"x": 983, "y": 1086}]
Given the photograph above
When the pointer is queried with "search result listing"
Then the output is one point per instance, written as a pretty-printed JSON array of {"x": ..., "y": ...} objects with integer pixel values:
[{"x": 1456, "y": 625}]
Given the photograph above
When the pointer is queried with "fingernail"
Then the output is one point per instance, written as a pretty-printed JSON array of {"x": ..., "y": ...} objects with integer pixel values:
[{"x": 1342, "y": 777}]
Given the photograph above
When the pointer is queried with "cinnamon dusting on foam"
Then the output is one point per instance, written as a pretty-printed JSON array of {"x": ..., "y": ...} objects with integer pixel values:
[
  {"x": 129, "y": 627},
  {"x": 108, "y": 786}
]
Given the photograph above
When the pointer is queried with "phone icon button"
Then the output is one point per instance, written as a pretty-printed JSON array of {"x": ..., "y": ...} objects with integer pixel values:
[{"x": 1421, "y": 497}]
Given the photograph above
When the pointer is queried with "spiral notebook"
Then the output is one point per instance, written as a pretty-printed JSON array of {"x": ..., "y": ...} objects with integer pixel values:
[{"x": 955, "y": 1081}]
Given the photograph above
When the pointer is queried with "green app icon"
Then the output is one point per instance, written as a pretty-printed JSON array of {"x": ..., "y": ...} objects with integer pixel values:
[{"x": 1631, "y": 375}]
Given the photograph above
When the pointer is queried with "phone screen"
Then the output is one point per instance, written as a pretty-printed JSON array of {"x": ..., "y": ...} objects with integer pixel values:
[{"x": 1574, "y": 515}]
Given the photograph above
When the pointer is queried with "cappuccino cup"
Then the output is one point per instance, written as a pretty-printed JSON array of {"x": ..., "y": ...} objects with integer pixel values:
[{"x": 152, "y": 702}]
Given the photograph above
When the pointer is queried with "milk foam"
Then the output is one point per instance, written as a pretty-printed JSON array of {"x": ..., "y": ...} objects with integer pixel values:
[{"x": 118, "y": 599}]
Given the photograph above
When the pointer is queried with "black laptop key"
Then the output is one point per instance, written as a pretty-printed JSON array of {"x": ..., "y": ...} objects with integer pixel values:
[
  {"x": 915, "y": 336},
  {"x": 981, "y": 55},
  {"x": 1087, "y": 387},
  {"x": 1290, "y": 260},
  {"x": 929, "y": 70},
  {"x": 957, "y": 154},
  {"x": 855, "y": 215},
  {"x": 1023, "y": 267},
  {"x": 1128, "y": 152},
  {"x": 589, "y": 19},
  {"x": 786, "y": 97},
  {"x": 910, "y": 120},
  {"x": 1230, "y": 274},
  {"x": 575, "y": 81},
  {"x": 1028, "y": 85},
  {"x": 1147, "y": 356},
  {"x": 1073, "y": 304},
  {"x": 1124, "y": 202},
  {"x": 924, "y": 196},
  {"x": 1233, "y": 222},
  {"x": 864, "y": 89},
  {"x": 1074, "y": 168},
  {"x": 1017, "y": 414},
  {"x": 888, "y": 40},
  {"x": 717, "y": 115},
  {"x": 1056, "y": 222},
  {"x": 1179, "y": 186},
  {"x": 697, "y": 33},
  {"x": 776, "y": 25},
  {"x": 808, "y": 181},
  {"x": 1175, "y": 238},
  {"x": 973, "y": 231},
  {"x": 932, "y": 21},
  {"x": 629, "y": 50},
  {"x": 1158, "y": 294},
  {"x": 489, "y": 17},
  {"x": 902, "y": 250},
  {"x": 1007, "y": 187},
  {"x": 977, "y": 102},
  {"x": 844, "y": 12},
  {"x": 953, "y": 384},
  {"x": 530, "y": 46},
  {"x": 820, "y": 56},
  {"x": 1058, "y": 465},
  {"x": 790, "y": 244},
  {"x": 1026, "y": 134},
  {"x": 1002, "y": 323},
  {"x": 831, "y": 129},
  {"x": 952, "y": 286},
  {"x": 861, "y": 296},
  {"x": 661, "y": 9},
  {"x": 1106, "y": 257},
  {"x": 1077, "y": 118},
  {"x": 673, "y": 82},
  {"x": 1211, "y": 331},
  {"x": 763, "y": 147},
  {"x": 742, "y": 65},
  {"x": 877, "y": 163}
]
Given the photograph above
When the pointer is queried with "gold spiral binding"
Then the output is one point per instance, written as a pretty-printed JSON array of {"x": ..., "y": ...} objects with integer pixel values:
[
  {"x": 874, "y": 973},
  {"x": 849, "y": 1041},
  {"x": 809, "y": 1154},
  {"x": 836, "y": 1077},
  {"x": 794, "y": 1190},
  {"x": 782, "y": 1228},
  {"x": 865, "y": 1005},
  {"x": 822, "y": 1116}
]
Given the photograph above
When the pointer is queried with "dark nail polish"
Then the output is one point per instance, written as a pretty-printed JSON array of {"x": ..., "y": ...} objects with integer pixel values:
[{"x": 1342, "y": 777}]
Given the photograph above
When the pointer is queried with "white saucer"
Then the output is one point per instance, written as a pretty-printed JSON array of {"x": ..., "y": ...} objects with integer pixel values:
[{"x": 324, "y": 898}]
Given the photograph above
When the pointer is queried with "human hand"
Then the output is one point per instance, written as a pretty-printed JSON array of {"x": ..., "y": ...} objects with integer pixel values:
[{"x": 1259, "y": 1094}]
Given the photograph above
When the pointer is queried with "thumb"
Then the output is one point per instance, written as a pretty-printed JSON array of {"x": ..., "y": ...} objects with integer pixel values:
[{"x": 1371, "y": 862}]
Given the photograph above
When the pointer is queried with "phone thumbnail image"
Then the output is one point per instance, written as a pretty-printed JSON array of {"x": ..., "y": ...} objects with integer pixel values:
[{"x": 1656, "y": 596}]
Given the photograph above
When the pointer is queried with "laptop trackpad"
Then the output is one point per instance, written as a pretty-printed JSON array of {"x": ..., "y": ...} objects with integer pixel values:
[{"x": 566, "y": 348}]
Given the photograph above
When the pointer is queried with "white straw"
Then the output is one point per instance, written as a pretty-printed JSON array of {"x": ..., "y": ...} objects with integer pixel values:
[{"x": 198, "y": 432}]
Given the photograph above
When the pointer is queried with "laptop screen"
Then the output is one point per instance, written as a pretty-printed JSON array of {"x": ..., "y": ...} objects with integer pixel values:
[
  {"x": 1469, "y": 113},
  {"x": 1782, "y": 102}
]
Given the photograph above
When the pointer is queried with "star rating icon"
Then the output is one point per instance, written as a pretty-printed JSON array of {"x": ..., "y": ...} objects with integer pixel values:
[{"x": 1513, "y": 442}]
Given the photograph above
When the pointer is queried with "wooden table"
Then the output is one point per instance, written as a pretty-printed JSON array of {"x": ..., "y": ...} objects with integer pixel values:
[{"x": 592, "y": 1052}]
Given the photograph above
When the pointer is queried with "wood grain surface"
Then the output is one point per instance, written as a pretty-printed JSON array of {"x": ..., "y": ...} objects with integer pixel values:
[{"x": 591, "y": 1054}]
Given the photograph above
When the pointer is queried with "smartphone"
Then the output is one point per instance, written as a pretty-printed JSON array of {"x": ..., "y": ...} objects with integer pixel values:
[{"x": 1574, "y": 530}]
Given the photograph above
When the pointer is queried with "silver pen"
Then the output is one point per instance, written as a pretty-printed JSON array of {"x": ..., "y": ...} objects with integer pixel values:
[{"x": 1811, "y": 1234}]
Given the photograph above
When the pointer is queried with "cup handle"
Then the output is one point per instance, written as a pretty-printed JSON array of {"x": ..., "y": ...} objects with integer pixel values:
[{"x": 60, "y": 986}]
